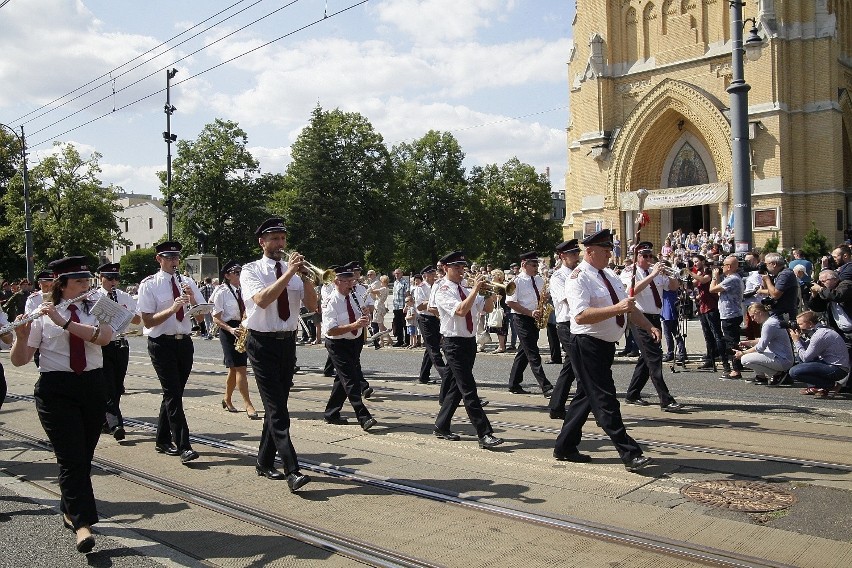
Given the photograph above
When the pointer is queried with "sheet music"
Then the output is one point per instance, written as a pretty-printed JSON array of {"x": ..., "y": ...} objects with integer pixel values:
[
  {"x": 202, "y": 308},
  {"x": 112, "y": 314}
]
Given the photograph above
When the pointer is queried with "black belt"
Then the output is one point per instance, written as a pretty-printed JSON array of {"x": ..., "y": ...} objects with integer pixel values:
[
  {"x": 176, "y": 336},
  {"x": 274, "y": 334}
]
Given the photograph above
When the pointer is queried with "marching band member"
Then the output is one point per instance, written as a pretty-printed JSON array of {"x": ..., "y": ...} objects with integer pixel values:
[
  {"x": 69, "y": 393},
  {"x": 598, "y": 308},
  {"x": 5, "y": 340},
  {"x": 524, "y": 303},
  {"x": 569, "y": 254},
  {"x": 342, "y": 329},
  {"x": 228, "y": 311},
  {"x": 430, "y": 327},
  {"x": 459, "y": 308},
  {"x": 162, "y": 301},
  {"x": 325, "y": 292},
  {"x": 364, "y": 303},
  {"x": 116, "y": 353},
  {"x": 35, "y": 300},
  {"x": 274, "y": 293},
  {"x": 648, "y": 291}
]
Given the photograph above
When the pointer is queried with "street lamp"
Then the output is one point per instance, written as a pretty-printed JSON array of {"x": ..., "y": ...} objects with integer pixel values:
[
  {"x": 738, "y": 89},
  {"x": 28, "y": 219},
  {"x": 168, "y": 137}
]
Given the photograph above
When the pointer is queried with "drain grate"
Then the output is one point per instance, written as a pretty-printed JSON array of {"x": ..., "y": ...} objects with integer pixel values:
[{"x": 746, "y": 496}]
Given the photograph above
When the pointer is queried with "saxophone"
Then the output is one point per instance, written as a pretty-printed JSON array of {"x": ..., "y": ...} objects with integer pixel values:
[
  {"x": 241, "y": 334},
  {"x": 544, "y": 307}
]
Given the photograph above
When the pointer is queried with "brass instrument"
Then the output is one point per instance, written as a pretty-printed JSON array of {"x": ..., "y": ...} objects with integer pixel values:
[
  {"x": 544, "y": 307},
  {"x": 489, "y": 288},
  {"x": 241, "y": 336},
  {"x": 317, "y": 276},
  {"x": 681, "y": 274}
]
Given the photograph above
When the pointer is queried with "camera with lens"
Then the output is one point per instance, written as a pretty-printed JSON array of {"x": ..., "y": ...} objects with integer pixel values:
[
  {"x": 789, "y": 324},
  {"x": 762, "y": 268},
  {"x": 769, "y": 302}
]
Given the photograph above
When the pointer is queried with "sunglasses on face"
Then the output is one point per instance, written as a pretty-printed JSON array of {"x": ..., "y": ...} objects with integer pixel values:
[{"x": 111, "y": 277}]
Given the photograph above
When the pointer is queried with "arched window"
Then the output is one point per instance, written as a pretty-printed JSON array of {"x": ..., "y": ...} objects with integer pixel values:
[
  {"x": 631, "y": 36},
  {"x": 667, "y": 12},
  {"x": 649, "y": 31}
]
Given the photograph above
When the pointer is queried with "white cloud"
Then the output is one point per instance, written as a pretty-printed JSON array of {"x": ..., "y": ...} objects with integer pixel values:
[{"x": 430, "y": 21}]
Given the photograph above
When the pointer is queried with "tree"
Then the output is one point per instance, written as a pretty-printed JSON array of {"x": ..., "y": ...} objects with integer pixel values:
[
  {"x": 815, "y": 244},
  {"x": 137, "y": 264},
  {"x": 10, "y": 161},
  {"x": 441, "y": 214},
  {"x": 73, "y": 213},
  {"x": 518, "y": 208},
  {"x": 337, "y": 193},
  {"x": 218, "y": 190}
]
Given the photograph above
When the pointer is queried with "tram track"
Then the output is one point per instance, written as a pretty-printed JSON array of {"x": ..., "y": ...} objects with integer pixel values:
[{"x": 378, "y": 556}]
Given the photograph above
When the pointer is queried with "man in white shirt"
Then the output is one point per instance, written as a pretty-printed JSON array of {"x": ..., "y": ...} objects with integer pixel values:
[
  {"x": 569, "y": 254},
  {"x": 430, "y": 327},
  {"x": 274, "y": 293},
  {"x": 163, "y": 299}
]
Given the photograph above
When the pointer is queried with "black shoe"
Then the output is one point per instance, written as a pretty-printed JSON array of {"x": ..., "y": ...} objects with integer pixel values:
[
  {"x": 547, "y": 391},
  {"x": 552, "y": 362},
  {"x": 489, "y": 441},
  {"x": 636, "y": 401},
  {"x": 368, "y": 423},
  {"x": 426, "y": 382},
  {"x": 187, "y": 456},
  {"x": 367, "y": 392},
  {"x": 557, "y": 414},
  {"x": 338, "y": 420},
  {"x": 328, "y": 374},
  {"x": 296, "y": 480},
  {"x": 633, "y": 354},
  {"x": 673, "y": 406},
  {"x": 483, "y": 402},
  {"x": 705, "y": 367},
  {"x": 446, "y": 435},
  {"x": 760, "y": 380},
  {"x": 779, "y": 379},
  {"x": 118, "y": 433},
  {"x": 668, "y": 358},
  {"x": 170, "y": 450},
  {"x": 519, "y": 390},
  {"x": 105, "y": 428},
  {"x": 86, "y": 545},
  {"x": 268, "y": 472},
  {"x": 574, "y": 456},
  {"x": 637, "y": 463}
]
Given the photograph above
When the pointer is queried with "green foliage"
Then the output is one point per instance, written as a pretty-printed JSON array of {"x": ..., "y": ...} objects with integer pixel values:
[
  {"x": 11, "y": 262},
  {"x": 771, "y": 245},
  {"x": 337, "y": 194},
  {"x": 815, "y": 244},
  {"x": 517, "y": 211},
  {"x": 137, "y": 264},
  {"x": 218, "y": 189},
  {"x": 71, "y": 210}
]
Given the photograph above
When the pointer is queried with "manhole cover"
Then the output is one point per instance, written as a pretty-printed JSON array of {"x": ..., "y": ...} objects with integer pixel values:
[{"x": 746, "y": 496}]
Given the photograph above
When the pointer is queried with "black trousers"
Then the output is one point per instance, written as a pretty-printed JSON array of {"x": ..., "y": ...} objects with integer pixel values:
[
  {"x": 553, "y": 343},
  {"x": 2, "y": 386},
  {"x": 172, "y": 360},
  {"x": 566, "y": 375},
  {"x": 71, "y": 410},
  {"x": 116, "y": 357},
  {"x": 527, "y": 354},
  {"x": 592, "y": 361},
  {"x": 731, "y": 334},
  {"x": 461, "y": 354},
  {"x": 649, "y": 365},
  {"x": 675, "y": 344},
  {"x": 348, "y": 382},
  {"x": 400, "y": 331},
  {"x": 430, "y": 329},
  {"x": 273, "y": 361},
  {"x": 713, "y": 339}
]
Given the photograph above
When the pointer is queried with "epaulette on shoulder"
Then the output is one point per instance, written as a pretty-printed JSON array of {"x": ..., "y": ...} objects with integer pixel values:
[
  {"x": 444, "y": 287},
  {"x": 575, "y": 273},
  {"x": 34, "y": 294},
  {"x": 147, "y": 278}
]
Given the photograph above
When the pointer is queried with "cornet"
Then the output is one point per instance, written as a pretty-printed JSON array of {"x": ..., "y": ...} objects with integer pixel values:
[
  {"x": 316, "y": 275},
  {"x": 680, "y": 274}
]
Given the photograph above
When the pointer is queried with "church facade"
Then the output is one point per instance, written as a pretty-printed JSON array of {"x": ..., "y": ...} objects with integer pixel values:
[{"x": 649, "y": 109}]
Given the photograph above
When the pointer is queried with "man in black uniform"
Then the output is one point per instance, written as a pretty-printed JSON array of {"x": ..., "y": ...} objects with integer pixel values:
[
  {"x": 273, "y": 293},
  {"x": 599, "y": 310}
]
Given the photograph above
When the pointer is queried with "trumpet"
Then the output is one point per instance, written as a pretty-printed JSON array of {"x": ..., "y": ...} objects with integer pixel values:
[
  {"x": 316, "y": 275},
  {"x": 680, "y": 274},
  {"x": 489, "y": 288}
]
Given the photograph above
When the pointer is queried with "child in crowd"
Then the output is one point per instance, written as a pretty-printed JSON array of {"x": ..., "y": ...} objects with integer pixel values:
[{"x": 411, "y": 322}]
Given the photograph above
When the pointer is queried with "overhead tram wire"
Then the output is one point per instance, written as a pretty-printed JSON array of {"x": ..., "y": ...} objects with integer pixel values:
[
  {"x": 4, "y": 2},
  {"x": 160, "y": 91},
  {"x": 108, "y": 74},
  {"x": 153, "y": 73}
]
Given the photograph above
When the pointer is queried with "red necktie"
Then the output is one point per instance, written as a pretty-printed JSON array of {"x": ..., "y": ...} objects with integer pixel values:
[
  {"x": 283, "y": 299},
  {"x": 240, "y": 302},
  {"x": 657, "y": 300},
  {"x": 619, "y": 319},
  {"x": 535, "y": 288},
  {"x": 78, "y": 348},
  {"x": 351, "y": 313},
  {"x": 467, "y": 318},
  {"x": 176, "y": 294}
]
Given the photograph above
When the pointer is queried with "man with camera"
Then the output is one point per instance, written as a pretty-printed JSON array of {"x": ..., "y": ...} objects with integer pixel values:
[
  {"x": 729, "y": 285},
  {"x": 780, "y": 284},
  {"x": 833, "y": 296},
  {"x": 708, "y": 314},
  {"x": 823, "y": 354}
]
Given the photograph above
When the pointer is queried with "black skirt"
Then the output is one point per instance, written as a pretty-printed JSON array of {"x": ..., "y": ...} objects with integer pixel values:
[{"x": 232, "y": 357}]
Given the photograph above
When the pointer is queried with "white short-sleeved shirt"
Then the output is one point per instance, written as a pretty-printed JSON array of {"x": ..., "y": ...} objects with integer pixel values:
[
  {"x": 336, "y": 313},
  {"x": 422, "y": 294},
  {"x": 525, "y": 293},
  {"x": 447, "y": 299},
  {"x": 587, "y": 290},
  {"x": 4, "y": 319},
  {"x": 258, "y": 275},
  {"x": 225, "y": 303},
  {"x": 559, "y": 294},
  {"x": 365, "y": 299},
  {"x": 155, "y": 295},
  {"x": 54, "y": 345},
  {"x": 645, "y": 298},
  {"x": 34, "y": 301},
  {"x": 434, "y": 291}
]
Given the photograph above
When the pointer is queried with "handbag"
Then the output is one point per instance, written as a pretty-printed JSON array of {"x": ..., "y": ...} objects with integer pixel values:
[{"x": 495, "y": 318}]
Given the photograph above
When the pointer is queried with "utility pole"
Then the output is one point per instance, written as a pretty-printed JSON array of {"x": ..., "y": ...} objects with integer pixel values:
[
  {"x": 28, "y": 218},
  {"x": 169, "y": 138}
]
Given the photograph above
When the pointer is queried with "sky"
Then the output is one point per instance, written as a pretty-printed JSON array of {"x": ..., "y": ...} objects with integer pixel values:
[{"x": 93, "y": 72}]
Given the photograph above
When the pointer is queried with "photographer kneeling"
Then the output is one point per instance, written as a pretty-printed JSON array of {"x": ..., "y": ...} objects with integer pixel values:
[
  {"x": 824, "y": 356},
  {"x": 772, "y": 352}
]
